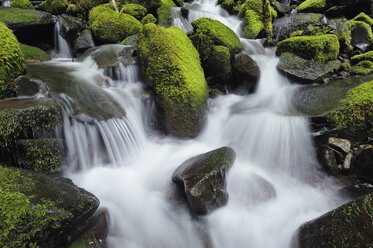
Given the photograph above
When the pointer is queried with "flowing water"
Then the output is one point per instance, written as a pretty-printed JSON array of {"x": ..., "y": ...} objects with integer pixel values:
[{"x": 274, "y": 185}]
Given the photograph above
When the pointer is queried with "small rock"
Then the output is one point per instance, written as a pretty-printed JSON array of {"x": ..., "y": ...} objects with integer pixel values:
[
  {"x": 343, "y": 144},
  {"x": 347, "y": 161},
  {"x": 26, "y": 87},
  {"x": 245, "y": 70}
]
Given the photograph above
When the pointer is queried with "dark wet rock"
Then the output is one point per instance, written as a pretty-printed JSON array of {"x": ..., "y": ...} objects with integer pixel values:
[
  {"x": 70, "y": 27},
  {"x": 363, "y": 164},
  {"x": 341, "y": 144},
  {"x": 361, "y": 35},
  {"x": 94, "y": 233},
  {"x": 330, "y": 159},
  {"x": 203, "y": 178},
  {"x": 84, "y": 41},
  {"x": 26, "y": 87},
  {"x": 350, "y": 225},
  {"x": 245, "y": 71},
  {"x": 357, "y": 190},
  {"x": 44, "y": 210},
  {"x": 284, "y": 26},
  {"x": 219, "y": 67},
  {"x": 282, "y": 8},
  {"x": 44, "y": 155},
  {"x": 306, "y": 71}
]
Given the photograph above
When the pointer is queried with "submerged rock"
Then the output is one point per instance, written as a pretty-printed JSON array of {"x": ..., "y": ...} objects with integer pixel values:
[
  {"x": 350, "y": 225},
  {"x": 170, "y": 63},
  {"x": 26, "y": 87},
  {"x": 203, "y": 178},
  {"x": 39, "y": 210},
  {"x": 306, "y": 71}
]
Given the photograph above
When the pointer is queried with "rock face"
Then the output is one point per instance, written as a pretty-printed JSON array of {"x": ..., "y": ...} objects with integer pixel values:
[
  {"x": 306, "y": 71},
  {"x": 12, "y": 63},
  {"x": 110, "y": 26},
  {"x": 169, "y": 61},
  {"x": 203, "y": 179},
  {"x": 84, "y": 41},
  {"x": 350, "y": 225},
  {"x": 283, "y": 27},
  {"x": 363, "y": 164},
  {"x": 38, "y": 210}
]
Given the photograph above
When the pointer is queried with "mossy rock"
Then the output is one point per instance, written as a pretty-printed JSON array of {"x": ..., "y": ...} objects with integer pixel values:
[
  {"x": 55, "y": 7},
  {"x": 82, "y": 7},
  {"x": 130, "y": 40},
  {"x": 12, "y": 61},
  {"x": 364, "y": 18},
  {"x": 349, "y": 226},
  {"x": 164, "y": 12},
  {"x": 356, "y": 111},
  {"x": 361, "y": 57},
  {"x": 38, "y": 210},
  {"x": 149, "y": 18},
  {"x": 363, "y": 68},
  {"x": 150, "y": 5},
  {"x": 219, "y": 67},
  {"x": 22, "y": 4},
  {"x": 318, "y": 48},
  {"x": 171, "y": 64},
  {"x": 209, "y": 33},
  {"x": 257, "y": 19},
  {"x": 15, "y": 18},
  {"x": 73, "y": 10},
  {"x": 312, "y": 6},
  {"x": 109, "y": 26},
  {"x": 44, "y": 155},
  {"x": 359, "y": 34},
  {"x": 34, "y": 54},
  {"x": 136, "y": 10},
  {"x": 84, "y": 41}
]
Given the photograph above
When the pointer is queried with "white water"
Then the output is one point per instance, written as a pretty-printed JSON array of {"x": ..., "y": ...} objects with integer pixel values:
[
  {"x": 129, "y": 167},
  {"x": 62, "y": 48}
]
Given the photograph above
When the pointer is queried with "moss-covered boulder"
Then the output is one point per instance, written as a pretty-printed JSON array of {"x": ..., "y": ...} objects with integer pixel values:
[
  {"x": 203, "y": 179},
  {"x": 361, "y": 57},
  {"x": 363, "y": 68},
  {"x": 22, "y": 4},
  {"x": 350, "y": 225},
  {"x": 315, "y": 6},
  {"x": 306, "y": 71},
  {"x": 55, "y": 7},
  {"x": 219, "y": 65},
  {"x": 38, "y": 210},
  {"x": 33, "y": 54},
  {"x": 15, "y": 18},
  {"x": 318, "y": 48},
  {"x": 149, "y": 18},
  {"x": 150, "y": 5},
  {"x": 130, "y": 40},
  {"x": 109, "y": 26},
  {"x": 164, "y": 12},
  {"x": 209, "y": 32},
  {"x": 136, "y": 10},
  {"x": 358, "y": 34},
  {"x": 257, "y": 19},
  {"x": 364, "y": 18},
  {"x": 12, "y": 62},
  {"x": 170, "y": 62},
  {"x": 284, "y": 26}
]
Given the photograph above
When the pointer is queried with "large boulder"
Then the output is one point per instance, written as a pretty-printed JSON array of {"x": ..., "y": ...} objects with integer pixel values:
[
  {"x": 361, "y": 57},
  {"x": 358, "y": 34},
  {"x": 283, "y": 27},
  {"x": 136, "y": 10},
  {"x": 70, "y": 27},
  {"x": 12, "y": 61},
  {"x": 306, "y": 71},
  {"x": 84, "y": 41},
  {"x": 22, "y": 4},
  {"x": 39, "y": 210},
  {"x": 15, "y": 18},
  {"x": 203, "y": 179},
  {"x": 170, "y": 63},
  {"x": 150, "y": 5},
  {"x": 245, "y": 71},
  {"x": 350, "y": 225},
  {"x": 363, "y": 68},
  {"x": 55, "y": 7},
  {"x": 108, "y": 26},
  {"x": 320, "y": 48},
  {"x": 164, "y": 12}
]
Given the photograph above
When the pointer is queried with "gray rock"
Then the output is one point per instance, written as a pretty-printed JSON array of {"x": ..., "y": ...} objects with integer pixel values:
[
  {"x": 203, "y": 179},
  {"x": 306, "y": 71},
  {"x": 26, "y": 87},
  {"x": 347, "y": 162},
  {"x": 70, "y": 27},
  {"x": 357, "y": 190},
  {"x": 282, "y": 8},
  {"x": 245, "y": 70},
  {"x": 343, "y": 144},
  {"x": 84, "y": 41},
  {"x": 284, "y": 26}
]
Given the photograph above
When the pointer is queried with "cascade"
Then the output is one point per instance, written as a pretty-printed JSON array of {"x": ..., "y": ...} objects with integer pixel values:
[
  {"x": 62, "y": 48},
  {"x": 128, "y": 166}
]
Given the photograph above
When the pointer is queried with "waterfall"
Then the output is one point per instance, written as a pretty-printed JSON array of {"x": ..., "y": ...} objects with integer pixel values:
[
  {"x": 62, "y": 48},
  {"x": 113, "y": 152}
]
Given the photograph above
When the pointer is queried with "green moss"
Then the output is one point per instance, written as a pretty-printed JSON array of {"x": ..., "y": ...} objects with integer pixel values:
[
  {"x": 164, "y": 12},
  {"x": 16, "y": 15},
  {"x": 130, "y": 40},
  {"x": 228, "y": 4},
  {"x": 72, "y": 9},
  {"x": 110, "y": 26},
  {"x": 258, "y": 19},
  {"x": 12, "y": 62},
  {"x": 171, "y": 63},
  {"x": 365, "y": 56},
  {"x": 22, "y": 4},
  {"x": 312, "y": 6},
  {"x": 356, "y": 110},
  {"x": 23, "y": 222},
  {"x": 149, "y": 18},
  {"x": 296, "y": 33},
  {"x": 55, "y": 7},
  {"x": 33, "y": 54},
  {"x": 355, "y": 25},
  {"x": 135, "y": 10},
  {"x": 363, "y": 68},
  {"x": 209, "y": 32},
  {"x": 319, "y": 48},
  {"x": 364, "y": 18},
  {"x": 273, "y": 13}
]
